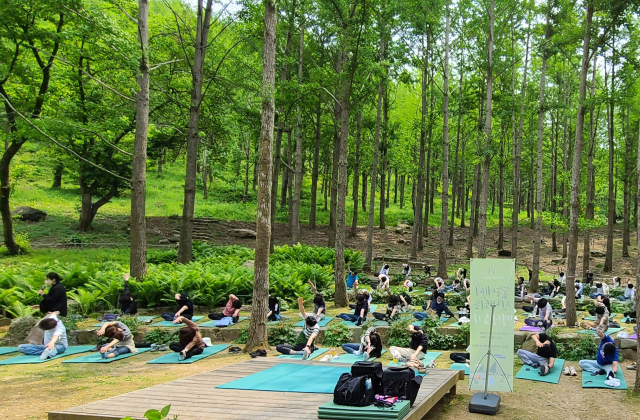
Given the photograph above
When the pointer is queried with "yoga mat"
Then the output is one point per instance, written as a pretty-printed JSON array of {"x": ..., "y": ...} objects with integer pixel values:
[
  {"x": 562, "y": 316},
  {"x": 318, "y": 352},
  {"x": 97, "y": 357},
  {"x": 212, "y": 323},
  {"x": 633, "y": 336},
  {"x": 460, "y": 366},
  {"x": 553, "y": 377},
  {"x": 7, "y": 350},
  {"x": 322, "y": 323},
  {"x": 26, "y": 359},
  {"x": 171, "y": 324},
  {"x": 147, "y": 318},
  {"x": 352, "y": 358},
  {"x": 428, "y": 358},
  {"x": 372, "y": 307},
  {"x": 172, "y": 358},
  {"x": 589, "y": 318},
  {"x": 287, "y": 377},
  {"x": 608, "y": 332},
  {"x": 597, "y": 381},
  {"x": 531, "y": 329},
  {"x": 333, "y": 411}
]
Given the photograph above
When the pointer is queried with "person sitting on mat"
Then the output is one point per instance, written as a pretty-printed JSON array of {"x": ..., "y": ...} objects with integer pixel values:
[
  {"x": 600, "y": 301},
  {"x": 384, "y": 282},
  {"x": 521, "y": 288},
  {"x": 310, "y": 331},
  {"x": 190, "y": 342},
  {"x": 439, "y": 306},
  {"x": 461, "y": 357},
  {"x": 629, "y": 293},
  {"x": 54, "y": 342},
  {"x": 394, "y": 308},
  {"x": 370, "y": 345},
  {"x": 617, "y": 282},
  {"x": 602, "y": 290},
  {"x": 55, "y": 300},
  {"x": 544, "y": 357},
  {"x": 555, "y": 288},
  {"x": 562, "y": 277},
  {"x": 231, "y": 309},
  {"x": 352, "y": 279},
  {"x": 606, "y": 362},
  {"x": 579, "y": 288},
  {"x": 456, "y": 286},
  {"x": 440, "y": 285},
  {"x": 359, "y": 313},
  {"x": 128, "y": 304},
  {"x": 417, "y": 348},
  {"x": 185, "y": 308},
  {"x": 274, "y": 309},
  {"x": 602, "y": 320},
  {"x": 461, "y": 273},
  {"x": 122, "y": 340},
  {"x": 545, "y": 315}
]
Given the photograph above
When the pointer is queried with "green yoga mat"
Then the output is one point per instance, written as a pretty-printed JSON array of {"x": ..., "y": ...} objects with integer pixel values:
[
  {"x": 372, "y": 308},
  {"x": 7, "y": 350},
  {"x": 97, "y": 357},
  {"x": 352, "y": 358},
  {"x": 333, "y": 411},
  {"x": 428, "y": 358},
  {"x": 608, "y": 332},
  {"x": 562, "y": 316},
  {"x": 322, "y": 323},
  {"x": 553, "y": 377},
  {"x": 26, "y": 359},
  {"x": 172, "y": 358},
  {"x": 212, "y": 323},
  {"x": 318, "y": 352},
  {"x": 597, "y": 381},
  {"x": 460, "y": 366},
  {"x": 171, "y": 324},
  {"x": 287, "y": 377}
]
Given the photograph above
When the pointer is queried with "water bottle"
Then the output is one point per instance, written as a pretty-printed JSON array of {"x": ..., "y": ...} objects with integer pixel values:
[{"x": 368, "y": 383}]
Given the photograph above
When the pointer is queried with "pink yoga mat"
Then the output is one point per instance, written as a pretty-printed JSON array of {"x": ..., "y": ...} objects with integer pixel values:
[{"x": 633, "y": 337}]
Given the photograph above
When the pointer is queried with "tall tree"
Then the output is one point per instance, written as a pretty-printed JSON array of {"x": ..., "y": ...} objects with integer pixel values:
[
  {"x": 295, "y": 205},
  {"x": 442, "y": 249},
  {"x": 356, "y": 174}
]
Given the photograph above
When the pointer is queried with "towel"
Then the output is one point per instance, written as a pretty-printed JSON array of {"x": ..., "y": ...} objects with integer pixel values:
[
  {"x": 224, "y": 322},
  {"x": 613, "y": 382}
]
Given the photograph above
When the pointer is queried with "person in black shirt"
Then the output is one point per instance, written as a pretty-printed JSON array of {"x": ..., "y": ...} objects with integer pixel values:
[
  {"x": 128, "y": 304},
  {"x": 56, "y": 299},
  {"x": 545, "y": 355},
  {"x": 185, "y": 308},
  {"x": 360, "y": 312},
  {"x": 274, "y": 309},
  {"x": 418, "y": 346}
]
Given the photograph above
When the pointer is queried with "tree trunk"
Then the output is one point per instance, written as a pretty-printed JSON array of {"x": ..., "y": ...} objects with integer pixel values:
[
  {"x": 356, "y": 171},
  {"x": 314, "y": 171},
  {"x": 205, "y": 174},
  {"x": 138, "y": 253},
  {"x": 464, "y": 191},
  {"x": 245, "y": 193},
  {"x": 374, "y": 175},
  {"x": 88, "y": 209},
  {"x": 575, "y": 172},
  {"x": 442, "y": 252},
  {"x": 636, "y": 387},
  {"x": 364, "y": 191},
  {"x": 591, "y": 175},
  {"x": 258, "y": 323},
  {"x": 474, "y": 199},
  {"x": 295, "y": 205},
  {"x": 608, "y": 260},
  {"x": 455, "y": 188},
  {"x": 57, "y": 176},
  {"x": 626, "y": 240},
  {"x": 335, "y": 165},
  {"x": 500, "y": 194}
]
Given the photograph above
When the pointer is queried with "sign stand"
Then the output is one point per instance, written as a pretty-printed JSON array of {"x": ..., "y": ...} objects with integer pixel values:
[{"x": 483, "y": 402}]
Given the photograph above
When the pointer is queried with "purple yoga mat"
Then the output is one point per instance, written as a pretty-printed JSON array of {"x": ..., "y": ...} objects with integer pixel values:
[
  {"x": 633, "y": 337},
  {"x": 531, "y": 329}
]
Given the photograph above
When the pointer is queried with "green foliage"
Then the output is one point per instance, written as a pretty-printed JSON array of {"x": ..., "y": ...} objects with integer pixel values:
[
  {"x": 22, "y": 239},
  {"x": 620, "y": 308},
  {"x": 336, "y": 335},
  {"x": 161, "y": 336},
  {"x": 282, "y": 333},
  {"x": 88, "y": 301},
  {"x": 586, "y": 348},
  {"x": 131, "y": 322},
  {"x": 243, "y": 335},
  {"x": 156, "y": 415},
  {"x": 69, "y": 322},
  {"x": 398, "y": 334},
  {"x": 159, "y": 256}
]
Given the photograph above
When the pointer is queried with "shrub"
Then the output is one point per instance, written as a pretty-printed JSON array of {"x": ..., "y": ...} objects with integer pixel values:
[
  {"x": 160, "y": 336},
  {"x": 159, "y": 256},
  {"x": 22, "y": 240},
  {"x": 131, "y": 322},
  {"x": 87, "y": 301},
  {"x": 282, "y": 333},
  {"x": 243, "y": 335},
  {"x": 398, "y": 335},
  {"x": 336, "y": 335},
  {"x": 586, "y": 348}
]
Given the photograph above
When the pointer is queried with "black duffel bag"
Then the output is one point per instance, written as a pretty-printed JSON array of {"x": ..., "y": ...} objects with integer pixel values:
[
  {"x": 401, "y": 382},
  {"x": 370, "y": 370},
  {"x": 352, "y": 391}
]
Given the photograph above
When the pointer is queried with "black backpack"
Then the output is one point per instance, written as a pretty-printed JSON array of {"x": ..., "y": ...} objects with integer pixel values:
[
  {"x": 352, "y": 391},
  {"x": 401, "y": 382},
  {"x": 370, "y": 370}
]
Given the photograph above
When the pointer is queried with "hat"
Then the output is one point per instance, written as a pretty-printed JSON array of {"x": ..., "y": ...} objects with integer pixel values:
[{"x": 207, "y": 341}]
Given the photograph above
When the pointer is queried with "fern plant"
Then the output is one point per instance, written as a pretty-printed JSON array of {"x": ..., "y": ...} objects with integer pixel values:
[{"x": 336, "y": 335}]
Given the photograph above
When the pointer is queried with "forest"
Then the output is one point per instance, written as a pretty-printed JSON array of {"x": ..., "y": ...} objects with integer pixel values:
[{"x": 452, "y": 114}]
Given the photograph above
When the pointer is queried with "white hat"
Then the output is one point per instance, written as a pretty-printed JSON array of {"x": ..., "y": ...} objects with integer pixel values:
[{"x": 207, "y": 341}]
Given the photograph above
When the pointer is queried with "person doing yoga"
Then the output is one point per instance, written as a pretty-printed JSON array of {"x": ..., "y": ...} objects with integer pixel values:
[
  {"x": 128, "y": 304},
  {"x": 185, "y": 308},
  {"x": 360, "y": 312},
  {"x": 439, "y": 306},
  {"x": 370, "y": 345},
  {"x": 544, "y": 357},
  {"x": 274, "y": 309},
  {"x": 602, "y": 320},
  {"x": 417, "y": 348},
  {"x": 310, "y": 331},
  {"x": 190, "y": 340},
  {"x": 461, "y": 357},
  {"x": 602, "y": 290},
  {"x": 231, "y": 309},
  {"x": 383, "y": 284},
  {"x": 607, "y": 361},
  {"x": 122, "y": 340},
  {"x": 54, "y": 342},
  {"x": 545, "y": 315}
]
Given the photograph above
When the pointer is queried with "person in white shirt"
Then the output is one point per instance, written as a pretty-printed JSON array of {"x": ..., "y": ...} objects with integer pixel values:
[
  {"x": 384, "y": 282},
  {"x": 629, "y": 293},
  {"x": 384, "y": 270},
  {"x": 55, "y": 339}
]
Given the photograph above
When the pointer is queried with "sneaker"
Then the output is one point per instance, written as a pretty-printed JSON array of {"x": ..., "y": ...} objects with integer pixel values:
[
  {"x": 365, "y": 356},
  {"x": 573, "y": 371},
  {"x": 45, "y": 354},
  {"x": 154, "y": 348},
  {"x": 602, "y": 372},
  {"x": 181, "y": 356},
  {"x": 467, "y": 365},
  {"x": 535, "y": 365},
  {"x": 357, "y": 352},
  {"x": 633, "y": 366},
  {"x": 163, "y": 347},
  {"x": 235, "y": 350},
  {"x": 96, "y": 348},
  {"x": 566, "y": 371},
  {"x": 305, "y": 354},
  {"x": 258, "y": 353}
]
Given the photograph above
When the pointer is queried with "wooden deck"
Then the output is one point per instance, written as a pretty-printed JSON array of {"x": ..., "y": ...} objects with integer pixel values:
[{"x": 196, "y": 397}]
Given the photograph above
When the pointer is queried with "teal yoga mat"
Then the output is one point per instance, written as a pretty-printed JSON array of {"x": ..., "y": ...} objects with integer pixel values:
[
  {"x": 553, "y": 377},
  {"x": 25, "y": 359},
  {"x": 372, "y": 308},
  {"x": 431, "y": 356},
  {"x": 171, "y": 324},
  {"x": 597, "y": 381},
  {"x": 333, "y": 411},
  {"x": 287, "y": 377},
  {"x": 352, "y": 358},
  {"x": 7, "y": 350},
  {"x": 608, "y": 332},
  {"x": 212, "y": 323},
  {"x": 317, "y": 353},
  {"x": 322, "y": 323},
  {"x": 460, "y": 366},
  {"x": 172, "y": 358},
  {"x": 97, "y": 357}
]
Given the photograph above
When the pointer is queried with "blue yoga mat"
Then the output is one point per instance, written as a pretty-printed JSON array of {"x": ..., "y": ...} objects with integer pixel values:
[
  {"x": 26, "y": 359},
  {"x": 608, "y": 332},
  {"x": 97, "y": 357},
  {"x": 322, "y": 323},
  {"x": 318, "y": 352},
  {"x": 553, "y": 377},
  {"x": 212, "y": 323},
  {"x": 7, "y": 350},
  {"x": 597, "y": 381},
  {"x": 288, "y": 377},
  {"x": 460, "y": 366},
  {"x": 172, "y": 358},
  {"x": 352, "y": 358},
  {"x": 171, "y": 324}
]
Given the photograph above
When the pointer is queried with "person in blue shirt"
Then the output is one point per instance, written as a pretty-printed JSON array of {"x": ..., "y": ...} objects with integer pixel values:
[
  {"x": 606, "y": 362},
  {"x": 352, "y": 279},
  {"x": 580, "y": 286},
  {"x": 629, "y": 293},
  {"x": 438, "y": 305}
]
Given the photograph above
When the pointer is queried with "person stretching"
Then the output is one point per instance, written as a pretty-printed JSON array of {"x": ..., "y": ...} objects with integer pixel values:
[
  {"x": 408, "y": 284},
  {"x": 231, "y": 309},
  {"x": 359, "y": 313},
  {"x": 439, "y": 283},
  {"x": 406, "y": 270},
  {"x": 417, "y": 348},
  {"x": 122, "y": 342},
  {"x": 606, "y": 362},
  {"x": 128, "y": 304},
  {"x": 545, "y": 315},
  {"x": 461, "y": 357},
  {"x": 54, "y": 342},
  {"x": 190, "y": 342},
  {"x": 310, "y": 331},
  {"x": 370, "y": 345},
  {"x": 384, "y": 282},
  {"x": 185, "y": 308},
  {"x": 602, "y": 320},
  {"x": 319, "y": 305},
  {"x": 274, "y": 309},
  {"x": 602, "y": 290},
  {"x": 544, "y": 357},
  {"x": 629, "y": 293},
  {"x": 439, "y": 306},
  {"x": 384, "y": 270},
  {"x": 352, "y": 279}
]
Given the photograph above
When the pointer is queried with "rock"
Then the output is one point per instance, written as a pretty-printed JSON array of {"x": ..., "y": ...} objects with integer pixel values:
[
  {"x": 407, "y": 243},
  {"x": 628, "y": 272},
  {"x": 461, "y": 239},
  {"x": 154, "y": 231},
  {"x": 164, "y": 242},
  {"x": 400, "y": 241},
  {"x": 626, "y": 343},
  {"x": 598, "y": 254},
  {"x": 243, "y": 233},
  {"x": 629, "y": 354},
  {"x": 249, "y": 264},
  {"x": 529, "y": 345},
  {"x": 519, "y": 337},
  {"x": 18, "y": 331},
  {"x": 83, "y": 337},
  {"x": 504, "y": 253},
  {"x": 560, "y": 261},
  {"x": 399, "y": 230},
  {"x": 174, "y": 240},
  {"x": 4, "y": 321},
  {"x": 387, "y": 250},
  {"x": 29, "y": 214}
]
